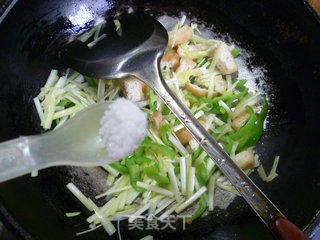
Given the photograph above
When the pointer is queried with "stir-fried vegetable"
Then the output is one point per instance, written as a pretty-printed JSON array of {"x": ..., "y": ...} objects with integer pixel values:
[{"x": 169, "y": 171}]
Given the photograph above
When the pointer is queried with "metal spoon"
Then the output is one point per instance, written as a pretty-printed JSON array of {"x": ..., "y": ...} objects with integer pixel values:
[{"x": 137, "y": 53}]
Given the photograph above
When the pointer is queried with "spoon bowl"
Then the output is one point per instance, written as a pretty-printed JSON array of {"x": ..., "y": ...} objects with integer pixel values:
[
  {"x": 117, "y": 56},
  {"x": 77, "y": 142}
]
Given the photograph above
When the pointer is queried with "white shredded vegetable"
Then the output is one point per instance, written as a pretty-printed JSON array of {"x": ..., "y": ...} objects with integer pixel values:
[
  {"x": 155, "y": 189},
  {"x": 191, "y": 181},
  {"x": 90, "y": 230},
  {"x": 148, "y": 237},
  {"x": 190, "y": 200},
  {"x": 174, "y": 183},
  {"x": 94, "y": 42},
  {"x": 87, "y": 202},
  {"x": 272, "y": 175},
  {"x": 72, "y": 214},
  {"x": 137, "y": 213},
  {"x": 225, "y": 106},
  {"x": 34, "y": 173},
  {"x": 211, "y": 188},
  {"x": 178, "y": 144},
  {"x": 183, "y": 176},
  {"x": 168, "y": 212}
]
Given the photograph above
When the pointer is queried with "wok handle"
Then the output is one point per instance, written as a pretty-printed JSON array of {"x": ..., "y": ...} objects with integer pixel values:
[
  {"x": 283, "y": 229},
  {"x": 15, "y": 158}
]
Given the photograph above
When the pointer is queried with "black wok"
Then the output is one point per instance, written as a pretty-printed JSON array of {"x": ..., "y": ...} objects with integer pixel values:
[{"x": 285, "y": 37}]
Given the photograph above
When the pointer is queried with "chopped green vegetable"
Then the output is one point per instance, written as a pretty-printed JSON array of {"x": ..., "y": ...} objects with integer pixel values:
[
  {"x": 247, "y": 129},
  {"x": 228, "y": 96},
  {"x": 134, "y": 173},
  {"x": 164, "y": 131},
  {"x": 161, "y": 147},
  {"x": 153, "y": 172},
  {"x": 235, "y": 52},
  {"x": 199, "y": 60},
  {"x": 258, "y": 129},
  {"x": 72, "y": 214},
  {"x": 141, "y": 159},
  {"x": 165, "y": 110},
  {"x": 202, "y": 208},
  {"x": 193, "y": 54},
  {"x": 117, "y": 166},
  {"x": 192, "y": 98},
  {"x": 177, "y": 170},
  {"x": 91, "y": 82},
  {"x": 65, "y": 102},
  {"x": 139, "y": 151},
  {"x": 197, "y": 153},
  {"x": 152, "y": 100},
  {"x": 118, "y": 27},
  {"x": 250, "y": 134}
]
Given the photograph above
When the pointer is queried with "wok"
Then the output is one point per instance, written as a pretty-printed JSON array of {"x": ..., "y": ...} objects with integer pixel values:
[{"x": 284, "y": 37}]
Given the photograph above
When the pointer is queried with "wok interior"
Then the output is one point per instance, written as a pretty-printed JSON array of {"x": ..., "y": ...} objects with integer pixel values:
[{"x": 282, "y": 35}]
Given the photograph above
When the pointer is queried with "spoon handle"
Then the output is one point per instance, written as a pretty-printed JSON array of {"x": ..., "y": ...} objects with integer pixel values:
[
  {"x": 15, "y": 158},
  {"x": 264, "y": 208},
  {"x": 286, "y": 230}
]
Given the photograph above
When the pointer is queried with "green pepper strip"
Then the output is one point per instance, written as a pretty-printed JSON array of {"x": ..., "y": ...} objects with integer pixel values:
[
  {"x": 264, "y": 110},
  {"x": 208, "y": 106},
  {"x": 217, "y": 109},
  {"x": 162, "y": 147},
  {"x": 152, "y": 104},
  {"x": 117, "y": 166},
  {"x": 246, "y": 129},
  {"x": 229, "y": 102},
  {"x": 201, "y": 209},
  {"x": 224, "y": 116},
  {"x": 91, "y": 82},
  {"x": 241, "y": 83},
  {"x": 165, "y": 110},
  {"x": 177, "y": 170},
  {"x": 197, "y": 153},
  {"x": 163, "y": 131},
  {"x": 250, "y": 134},
  {"x": 141, "y": 159},
  {"x": 229, "y": 143},
  {"x": 134, "y": 173},
  {"x": 199, "y": 59},
  {"x": 139, "y": 151},
  {"x": 258, "y": 129},
  {"x": 235, "y": 52},
  {"x": 65, "y": 102},
  {"x": 225, "y": 97},
  {"x": 152, "y": 172},
  {"x": 192, "y": 98},
  {"x": 202, "y": 174},
  {"x": 230, "y": 96}
]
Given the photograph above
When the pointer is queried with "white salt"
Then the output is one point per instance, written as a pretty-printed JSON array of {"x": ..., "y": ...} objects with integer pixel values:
[{"x": 123, "y": 128}]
